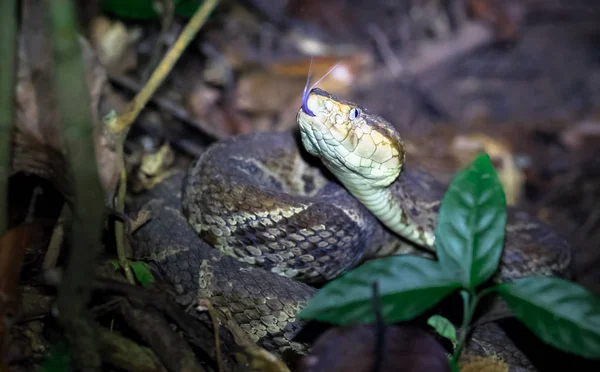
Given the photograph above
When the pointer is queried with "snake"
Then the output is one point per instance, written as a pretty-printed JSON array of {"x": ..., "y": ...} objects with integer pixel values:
[{"x": 259, "y": 220}]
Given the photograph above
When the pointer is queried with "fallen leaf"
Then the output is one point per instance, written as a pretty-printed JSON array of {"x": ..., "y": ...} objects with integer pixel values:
[
  {"x": 504, "y": 18},
  {"x": 585, "y": 133},
  {"x": 277, "y": 89},
  {"x": 473, "y": 363},
  {"x": 112, "y": 43},
  {"x": 38, "y": 145},
  {"x": 466, "y": 147}
]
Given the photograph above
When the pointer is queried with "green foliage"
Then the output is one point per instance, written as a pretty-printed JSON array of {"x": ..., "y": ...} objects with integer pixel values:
[
  {"x": 443, "y": 327},
  {"x": 470, "y": 227},
  {"x": 407, "y": 286},
  {"x": 140, "y": 269},
  {"x": 561, "y": 313},
  {"x": 145, "y": 9},
  {"x": 115, "y": 264},
  {"x": 142, "y": 273},
  {"x": 469, "y": 242}
]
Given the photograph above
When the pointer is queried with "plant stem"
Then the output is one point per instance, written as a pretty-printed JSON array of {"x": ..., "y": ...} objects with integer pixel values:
[
  {"x": 470, "y": 301},
  {"x": 124, "y": 121},
  {"x": 8, "y": 40},
  {"x": 120, "y": 229},
  {"x": 88, "y": 205},
  {"x": 120, "y": 124}
]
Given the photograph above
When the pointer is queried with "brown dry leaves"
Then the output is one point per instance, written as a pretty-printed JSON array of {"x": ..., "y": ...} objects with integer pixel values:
[
  {"x": 472, "y": 363},
  {"x": 267, "y": 97},
  {"x": 466, "y": 147},
  {"x": 112, "y": 42},
  {"x": 38, "y": 145}
]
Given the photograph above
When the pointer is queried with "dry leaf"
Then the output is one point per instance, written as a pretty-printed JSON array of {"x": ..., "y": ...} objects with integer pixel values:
[
  {"x": 504, "y": 18},
  {"x": 112, "y": 43},
  {"x": 277, "y": 89},
  {"x": 201, "y": 100},
  {"x": 473, "y": 363},
  {"x": 38, "y": 145},
  {"x": 584, "y": 133},
  {"x": 466, "y": 147}
]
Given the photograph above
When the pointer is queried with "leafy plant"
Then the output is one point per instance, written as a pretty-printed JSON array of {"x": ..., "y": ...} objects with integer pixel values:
[
  {"x": 469, "y": 242},
  {"x": 444, "y": 328}
]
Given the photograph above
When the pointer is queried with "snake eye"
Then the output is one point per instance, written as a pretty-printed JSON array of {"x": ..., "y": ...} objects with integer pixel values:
[{"x": 354, "y": 113}]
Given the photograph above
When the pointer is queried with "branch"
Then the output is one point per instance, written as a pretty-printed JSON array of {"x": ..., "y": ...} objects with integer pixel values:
[{"x": 124, "y": 121}]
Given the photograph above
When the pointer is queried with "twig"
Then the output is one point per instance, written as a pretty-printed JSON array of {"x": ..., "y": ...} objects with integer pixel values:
[
  {"x": 166, "y": 20},
  {"x": 215, "y": 323},
  {"x": 120, "y": 228},
  {"x": 383, "y": 45},
  {"x": 432, "y": 54},
  {"x": 170, "y": 346},
  {"x": 125, "y": 354},
  {"x": 123, "y": 122},
  {"x": 379, "y": 330},
  {"x": 199, "y": 332},
  {"x": 165, "y": 103},
  {"x": 57, "y": 238},
  {"x": 88, "y": 202},
  {"x": 8, "y": 40},
  {"x": 32, "y": 203}
]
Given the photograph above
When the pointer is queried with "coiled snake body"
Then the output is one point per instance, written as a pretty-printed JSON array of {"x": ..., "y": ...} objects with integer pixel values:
[
  {"x": 266, "y": 205},
  {"x": 258, "y": 199}
]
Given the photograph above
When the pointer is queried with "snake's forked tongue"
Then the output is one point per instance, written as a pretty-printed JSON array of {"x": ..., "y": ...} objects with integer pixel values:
[{"x": 307, "y": 90}]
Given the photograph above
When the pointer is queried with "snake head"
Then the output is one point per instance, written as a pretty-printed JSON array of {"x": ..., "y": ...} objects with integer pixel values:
[{"x": 351, "y": 142}]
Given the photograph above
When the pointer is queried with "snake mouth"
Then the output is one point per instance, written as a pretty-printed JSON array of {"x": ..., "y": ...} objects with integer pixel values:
[{"x": 309, "y": 108}]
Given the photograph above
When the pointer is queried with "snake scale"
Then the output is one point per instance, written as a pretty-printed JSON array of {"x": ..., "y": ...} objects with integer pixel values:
[{"x": 272, "y": 220}]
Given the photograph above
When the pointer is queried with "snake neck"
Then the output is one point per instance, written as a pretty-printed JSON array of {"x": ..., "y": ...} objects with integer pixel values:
[{"x": 388, "y": 209}]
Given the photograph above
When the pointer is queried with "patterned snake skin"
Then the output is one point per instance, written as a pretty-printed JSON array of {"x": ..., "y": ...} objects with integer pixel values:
[{"x": 274, "y": 212}]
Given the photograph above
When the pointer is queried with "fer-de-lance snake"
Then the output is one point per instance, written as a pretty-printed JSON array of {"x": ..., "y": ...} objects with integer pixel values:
[{"x": 280, "y": 222}]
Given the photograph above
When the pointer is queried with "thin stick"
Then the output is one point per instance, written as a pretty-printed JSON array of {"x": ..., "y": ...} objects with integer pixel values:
[
  {"x": 120, "y": 124},
  {"x": 8, "y": 40},
  {"x": 379, "y": 330},
  {"x": 120, "y": 228},
  {"x": 124, "y": 121},
  {"x": 215, "y": 323},
  {"x": 57, "y": 239}
]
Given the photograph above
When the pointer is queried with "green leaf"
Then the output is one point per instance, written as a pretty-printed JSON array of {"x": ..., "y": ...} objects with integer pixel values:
[
  {"x": 115, "y": 264},
  {"x": 561, "y": 313},
  {"x": 408, "y": 285},
  {"x": 443, "y": 327},
  {"x": 142, "y": 273},
  {"x": 470, "y": 228}
]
